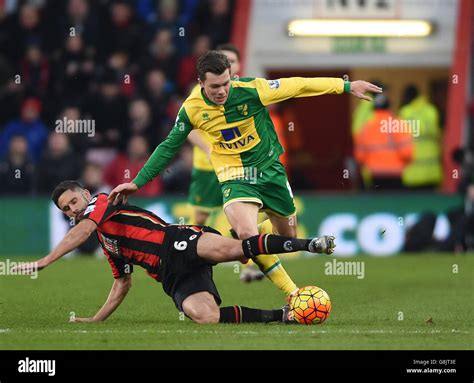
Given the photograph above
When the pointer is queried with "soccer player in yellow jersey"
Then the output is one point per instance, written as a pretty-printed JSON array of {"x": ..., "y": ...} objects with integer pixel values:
[
  {"x": 205, "y": 193},
  {"x": 245, "y": 148}
]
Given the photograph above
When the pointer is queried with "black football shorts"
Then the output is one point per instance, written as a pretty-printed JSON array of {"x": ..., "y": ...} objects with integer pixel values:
[{"x": 183, "y": 272}]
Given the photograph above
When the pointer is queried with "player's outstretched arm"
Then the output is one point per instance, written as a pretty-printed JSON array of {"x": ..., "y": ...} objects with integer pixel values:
[
  {"x": 359, "y": 88},
  {"x": 116, "y": 296},
  {"x": 274, "y": 91},
  {"x": 159, "y": 159},
  {"x": 75, "y": 237}
]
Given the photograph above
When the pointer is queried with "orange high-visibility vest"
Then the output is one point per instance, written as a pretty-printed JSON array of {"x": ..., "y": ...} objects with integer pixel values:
[{"x": 384, "y": 146}]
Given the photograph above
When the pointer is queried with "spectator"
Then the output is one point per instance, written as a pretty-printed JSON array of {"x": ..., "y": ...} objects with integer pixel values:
[
  {"x": 35, "y": 70},
  {"x": 60, "y": 163},
  {"x": 17, "y": 171},
  {"x": 157, "y": 98},
  {"x": 119, "y": 62},
  {"x": 92, "y": 178},
  {"x": 126, "y": 166},
  {"x": 30, "y": 126},
  {"x": 187, "y": 67},
  {"x": 168, "y": 17},
  {"x": 109, "y": 109},
  {"x": 74, "y": 71},
  {"x": 425, "y": 171},
  {"x": 162, "y": 54},
  {"x": 382, "y": 148},
  {"x": 140, "y": 122},
  {"x": 27, "y": 29},
  {"x": 11, "y": 92},
  {"x": 213, "y": 19},
  {"x": 84, "y": 22},
  {"x": 122, "y": 31},
  {"x": 78, "y": 142}
]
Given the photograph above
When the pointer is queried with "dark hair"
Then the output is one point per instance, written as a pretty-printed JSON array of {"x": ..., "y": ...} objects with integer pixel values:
[
  {"x": 62, "y": 187},
  {"x": 214, "y": 62},
  {"x": 381, "y": 101},
  {"x": 229, "y": 47},
  {"x": 409, "y": 94}
]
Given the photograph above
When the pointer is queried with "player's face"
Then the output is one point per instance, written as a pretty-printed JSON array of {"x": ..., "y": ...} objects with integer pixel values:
[
  {"x": 234, "y": 63},
  {"x": 216, "y": 87},
  {"x": 73, "y": 203}
]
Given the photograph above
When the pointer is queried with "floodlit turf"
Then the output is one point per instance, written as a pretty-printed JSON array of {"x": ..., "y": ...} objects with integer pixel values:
[{"x": 366, "y": 312}]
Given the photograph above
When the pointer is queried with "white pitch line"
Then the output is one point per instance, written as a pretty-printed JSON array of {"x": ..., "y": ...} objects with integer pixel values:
[{"x": 238, "y": 332}]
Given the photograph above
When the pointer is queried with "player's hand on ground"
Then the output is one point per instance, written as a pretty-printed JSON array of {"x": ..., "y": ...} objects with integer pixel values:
[
  {"x": 359, "y": 88},
  {"x": 121, "y": 192}
]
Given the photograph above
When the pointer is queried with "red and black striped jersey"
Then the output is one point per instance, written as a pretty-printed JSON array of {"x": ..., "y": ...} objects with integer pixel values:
[{"x": 129, "y": 235}]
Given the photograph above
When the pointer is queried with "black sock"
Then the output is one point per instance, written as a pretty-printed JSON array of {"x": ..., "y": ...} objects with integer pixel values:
[
  {"x": 272, "y": 244},
  {"x": 240, "y": 314}
]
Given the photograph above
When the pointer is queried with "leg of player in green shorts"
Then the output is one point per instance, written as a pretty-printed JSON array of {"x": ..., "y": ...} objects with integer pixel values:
[
  {"x": 242, "y": 202},
  {"x": 205, "y": 195}
]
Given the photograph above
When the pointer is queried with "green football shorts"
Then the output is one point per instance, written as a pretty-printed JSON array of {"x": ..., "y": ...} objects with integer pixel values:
[
  {"x": 270, "y": 189},
  {"x": 205, "y": 191}
]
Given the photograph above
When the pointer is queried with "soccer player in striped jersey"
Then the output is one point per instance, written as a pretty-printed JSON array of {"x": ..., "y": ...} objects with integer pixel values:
[
  {"x": 245, "y": 148},
  {"x": 180, "y": 257}
]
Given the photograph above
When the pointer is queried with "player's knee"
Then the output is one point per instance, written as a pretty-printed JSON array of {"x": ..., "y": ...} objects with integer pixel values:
[
  {"x": 205, "y": 315},
  {"x": 206, "y": 311},
  {"x": 287, "y": 231},
  {"x": 210, "y": 317},
  {"x": 245, "y": 234},
  {"x": 193, "y": 312}
]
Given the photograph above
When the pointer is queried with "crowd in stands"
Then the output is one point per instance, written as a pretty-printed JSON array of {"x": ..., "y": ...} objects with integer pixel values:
[{"x": 120, "y": 69}]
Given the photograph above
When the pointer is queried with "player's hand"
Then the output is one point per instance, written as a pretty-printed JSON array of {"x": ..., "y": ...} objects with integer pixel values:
[
  {"x": 121, "y": 192},
  {"x": 359, "y": 88},
  {"x": 81, "y": 320}
]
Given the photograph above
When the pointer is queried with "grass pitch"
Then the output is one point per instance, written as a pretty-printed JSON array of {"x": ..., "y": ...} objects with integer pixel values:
[{"x": 404, "y": 302}]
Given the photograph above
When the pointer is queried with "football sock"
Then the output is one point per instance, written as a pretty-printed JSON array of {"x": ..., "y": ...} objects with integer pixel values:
[
  {"x": 263, "y": 227},
  {"x": 266, "y": 227},
  {"x": 271, "y": 266},
  {"x": 269, "y": 244},
  {"x": 241, "y": 314}
]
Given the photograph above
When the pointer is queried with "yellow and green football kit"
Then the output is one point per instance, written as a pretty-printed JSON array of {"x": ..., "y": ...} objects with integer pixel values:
[
  {"x": 245, "y": 149},
  {"x": 241, "y": 133},
  {"x": 205, "y": 191}
]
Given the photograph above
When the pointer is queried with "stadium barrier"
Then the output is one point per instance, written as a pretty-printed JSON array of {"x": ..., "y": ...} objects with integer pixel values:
[{"x": 364, "y": 223}]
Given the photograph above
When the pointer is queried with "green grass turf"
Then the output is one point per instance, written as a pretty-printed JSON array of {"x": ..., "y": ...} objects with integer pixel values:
[{"x": 34, "y": 313}]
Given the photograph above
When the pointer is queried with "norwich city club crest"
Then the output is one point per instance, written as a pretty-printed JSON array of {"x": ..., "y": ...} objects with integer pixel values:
[
  {"x": 243, "y": 109},
  {"x": 205, "y": 116},
  {"x": 226, "y": 193}
]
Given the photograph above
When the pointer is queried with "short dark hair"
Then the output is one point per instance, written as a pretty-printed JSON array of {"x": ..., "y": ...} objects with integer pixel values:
[
  {"x": 409, "y": 94},
  {"x": 229, "y": 47},
  {"x": 213, "y": 61},
  {"x": 62, "y": 187}
]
